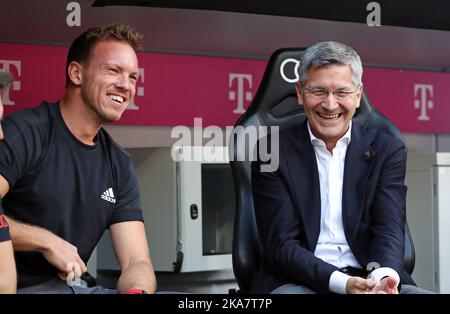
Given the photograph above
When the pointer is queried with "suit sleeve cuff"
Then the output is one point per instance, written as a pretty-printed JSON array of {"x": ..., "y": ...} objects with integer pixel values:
[
  {"x": 338, "y": 282},
  {"x": 382, "y": 272}
]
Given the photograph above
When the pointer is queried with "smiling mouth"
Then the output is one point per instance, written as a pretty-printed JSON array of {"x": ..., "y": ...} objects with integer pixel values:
[
  {"x": 333, "y": 116},
  {"x": 116, "y": 98}
]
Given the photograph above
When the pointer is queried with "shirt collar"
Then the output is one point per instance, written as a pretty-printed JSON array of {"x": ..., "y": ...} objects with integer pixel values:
[{"x": 345, "y": 139}]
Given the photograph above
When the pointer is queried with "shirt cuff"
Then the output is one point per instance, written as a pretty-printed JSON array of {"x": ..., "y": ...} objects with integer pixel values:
[
  {"x": 338, "y": 282},
  {"x": 382, "y": 272}
]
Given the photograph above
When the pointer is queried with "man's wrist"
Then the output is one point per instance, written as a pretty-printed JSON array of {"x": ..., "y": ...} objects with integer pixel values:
[
  {"x": 136, "y": 291},
  {"x": 380, "y": 273},
  {"x": 45, "y": 242},
  {"x": 338, "y": 282}
]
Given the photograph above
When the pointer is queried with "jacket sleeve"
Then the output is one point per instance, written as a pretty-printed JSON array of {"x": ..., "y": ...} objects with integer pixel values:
[{"x": 388, "y": 212}]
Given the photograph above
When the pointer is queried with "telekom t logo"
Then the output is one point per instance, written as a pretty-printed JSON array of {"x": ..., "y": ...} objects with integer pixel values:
[
  {"x": 139, "y": 90},
  {"x": 423, "y": 103},
  {"x": 7, "y": 66},
  {"x": 240, "y": 92}
]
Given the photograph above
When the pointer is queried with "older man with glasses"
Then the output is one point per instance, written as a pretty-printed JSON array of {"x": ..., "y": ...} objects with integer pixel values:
[{"x": 336, "y": 205}]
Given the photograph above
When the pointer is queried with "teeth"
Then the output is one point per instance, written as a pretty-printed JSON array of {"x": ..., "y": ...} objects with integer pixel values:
[
  {"x": 329, "y": 116},
  {"x": 119, "y": 99}
]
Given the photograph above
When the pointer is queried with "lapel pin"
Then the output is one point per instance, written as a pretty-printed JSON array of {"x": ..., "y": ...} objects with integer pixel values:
[{"x": 369, "y": 155}]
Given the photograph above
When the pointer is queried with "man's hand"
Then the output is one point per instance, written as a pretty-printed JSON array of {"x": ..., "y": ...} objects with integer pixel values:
[
  {"x": 56, "y": 251},
  {"x": 359, "y": 285},
  {"x": 61, "y": 253},
  {"x": 386, "y": 285},
  {"x": 72, "y": 275}
]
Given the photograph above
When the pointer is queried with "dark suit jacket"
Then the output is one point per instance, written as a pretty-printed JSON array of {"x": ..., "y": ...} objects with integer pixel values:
[{"x": 287, "y": 208}]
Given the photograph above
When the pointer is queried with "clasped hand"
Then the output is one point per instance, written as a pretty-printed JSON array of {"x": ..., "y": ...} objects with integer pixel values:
[{"x": 387, "y": 285}]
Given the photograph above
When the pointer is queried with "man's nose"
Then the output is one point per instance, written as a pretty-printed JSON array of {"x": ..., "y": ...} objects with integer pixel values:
[
  {"x": 330, "y": 101},
  {"x": 123, "y": 82}
]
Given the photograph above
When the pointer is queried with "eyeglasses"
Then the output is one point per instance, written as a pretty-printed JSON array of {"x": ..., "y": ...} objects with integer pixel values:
[{"x": 322, "y": 92}]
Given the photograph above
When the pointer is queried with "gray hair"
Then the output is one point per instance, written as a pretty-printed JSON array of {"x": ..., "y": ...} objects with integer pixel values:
[
  {"x": 330, "y": 52},
  {"x": 5, "y": 80}
]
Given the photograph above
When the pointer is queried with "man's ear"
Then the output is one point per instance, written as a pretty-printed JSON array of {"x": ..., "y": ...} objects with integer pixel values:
[
  {"x": 299, "y": 90},
  {"x": 75, "y": 72},
  {"x": 359, "y": 95}
]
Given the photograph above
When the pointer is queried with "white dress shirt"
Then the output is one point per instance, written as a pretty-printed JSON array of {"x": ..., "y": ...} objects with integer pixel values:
[{"x": 332, "y": 246}]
